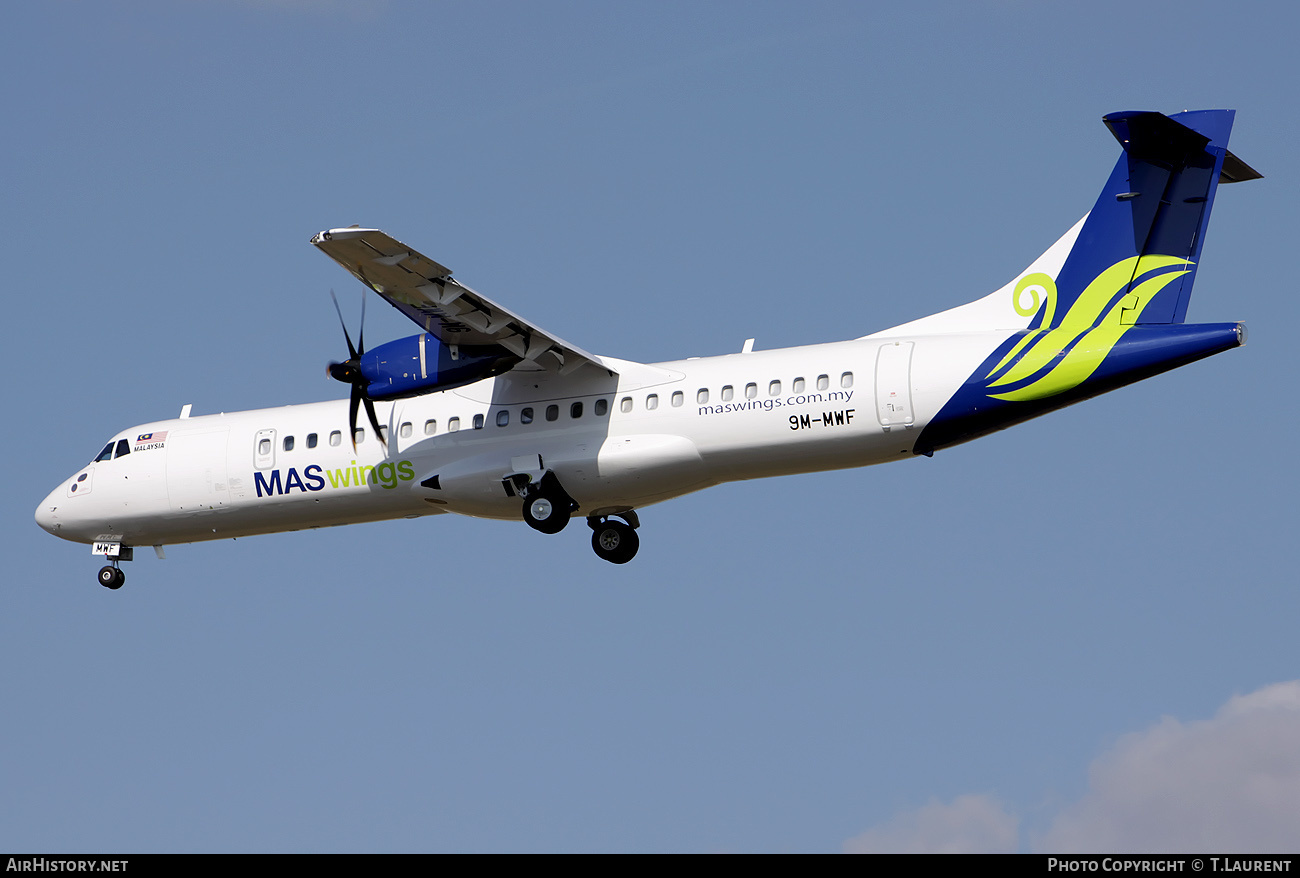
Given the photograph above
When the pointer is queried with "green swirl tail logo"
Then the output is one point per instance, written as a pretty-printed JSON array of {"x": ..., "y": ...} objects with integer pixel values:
[{"x": 1058, "y": 358}]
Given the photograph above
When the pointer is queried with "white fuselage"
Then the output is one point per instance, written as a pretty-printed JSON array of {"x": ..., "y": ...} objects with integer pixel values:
[{"x": 617, "y": 441}]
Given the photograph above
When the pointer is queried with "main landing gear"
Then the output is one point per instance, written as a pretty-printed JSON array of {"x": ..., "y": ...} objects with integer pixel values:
[
  {"x": 613, "y": 540},
  {"x": 111, "y": 576},
  {"x": 547, "y": 508}
]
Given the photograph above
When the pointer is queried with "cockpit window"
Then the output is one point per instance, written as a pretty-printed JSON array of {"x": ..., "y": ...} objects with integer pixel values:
[
  {"x": 106, "y": 454},
  {"x": 123, "y": 448}
]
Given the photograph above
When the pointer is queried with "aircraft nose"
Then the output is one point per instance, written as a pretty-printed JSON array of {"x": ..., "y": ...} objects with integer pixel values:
[{"x": 47, "y": 513}]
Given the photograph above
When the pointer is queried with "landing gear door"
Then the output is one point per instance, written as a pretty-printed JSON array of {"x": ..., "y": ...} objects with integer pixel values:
[{"x": 894, "y": 384}]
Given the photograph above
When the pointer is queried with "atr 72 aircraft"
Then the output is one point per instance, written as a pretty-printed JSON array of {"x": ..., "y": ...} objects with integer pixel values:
[{"x": 484, "y": 413}]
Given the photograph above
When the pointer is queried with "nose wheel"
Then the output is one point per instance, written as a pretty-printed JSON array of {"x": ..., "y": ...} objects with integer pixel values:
[{"x": 111, "y": 576}]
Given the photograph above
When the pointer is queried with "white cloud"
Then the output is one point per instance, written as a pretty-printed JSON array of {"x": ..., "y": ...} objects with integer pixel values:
[
  {"x": 1230, "y": 784},
  {"x": 969, "y": 825}
]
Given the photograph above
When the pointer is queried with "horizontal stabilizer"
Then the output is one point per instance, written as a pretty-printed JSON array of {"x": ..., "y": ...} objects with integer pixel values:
[
  {"x": 1234, "y": 170},
  {"x": 1154, "y": 137}
]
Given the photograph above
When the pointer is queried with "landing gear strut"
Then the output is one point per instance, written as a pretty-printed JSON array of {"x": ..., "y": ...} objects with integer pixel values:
[
  {"x": 613, "y": 540},
  {"x": 111, "y": 576}
]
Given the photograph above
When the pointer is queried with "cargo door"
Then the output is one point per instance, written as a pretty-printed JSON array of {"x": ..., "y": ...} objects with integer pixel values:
[{"x": 196, "y": 470}]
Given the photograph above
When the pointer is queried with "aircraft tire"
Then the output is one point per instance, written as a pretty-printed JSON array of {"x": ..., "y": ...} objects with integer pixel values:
[
  {"x": 111, "y": 577},
  {"x": 615, "y": 542},
  {"x": 546, "y": 513}
]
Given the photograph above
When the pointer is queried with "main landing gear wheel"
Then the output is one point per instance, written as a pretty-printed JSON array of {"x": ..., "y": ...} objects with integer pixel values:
[
  {"x": 111, "y": 577},
  {"x": 614, "y": 541},
  {"x": 546, "y": 512},
  {"x": 547, "y": 506}
]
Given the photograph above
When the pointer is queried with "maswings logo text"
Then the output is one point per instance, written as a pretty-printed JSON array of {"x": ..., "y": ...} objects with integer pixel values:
[
  {"x": 313, "y": 477},
  {"x": 766, "y": 405}
]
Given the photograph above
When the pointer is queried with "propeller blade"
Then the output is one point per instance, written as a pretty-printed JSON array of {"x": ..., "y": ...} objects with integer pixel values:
[
  {"x": 352, "y": 352},
  {"x": 350, "y": 373},
  {"x": 361, "y": 333},
  {"x": 353, "y": 404},
  {"x": 374, "y": 422}
]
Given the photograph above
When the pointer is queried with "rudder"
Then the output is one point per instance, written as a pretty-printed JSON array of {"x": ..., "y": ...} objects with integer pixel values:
[{"x": 1149, "y": 220}]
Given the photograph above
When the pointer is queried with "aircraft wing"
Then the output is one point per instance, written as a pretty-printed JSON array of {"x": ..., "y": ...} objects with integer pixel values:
[{"x": 425, "y": 291}]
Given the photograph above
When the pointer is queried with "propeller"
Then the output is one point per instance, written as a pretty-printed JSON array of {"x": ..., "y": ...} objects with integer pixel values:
[{"x": 349, "y": 372}]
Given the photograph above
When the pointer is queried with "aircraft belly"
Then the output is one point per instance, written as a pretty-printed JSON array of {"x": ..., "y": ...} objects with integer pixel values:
[
  {"x": 274, "y": 515},
  {"x": 863, "y": 446},
  {"x": 637, "y": 470}
]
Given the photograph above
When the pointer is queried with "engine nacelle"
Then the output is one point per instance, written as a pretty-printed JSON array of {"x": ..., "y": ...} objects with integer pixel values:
[{"x": 422, "y": 364}]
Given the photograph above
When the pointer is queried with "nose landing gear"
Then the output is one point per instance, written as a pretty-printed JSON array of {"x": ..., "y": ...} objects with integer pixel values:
[{"x": 111, "y": 576}]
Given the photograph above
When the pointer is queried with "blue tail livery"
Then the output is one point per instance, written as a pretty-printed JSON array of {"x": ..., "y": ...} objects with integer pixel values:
[{"x": 1112, "y": 314}]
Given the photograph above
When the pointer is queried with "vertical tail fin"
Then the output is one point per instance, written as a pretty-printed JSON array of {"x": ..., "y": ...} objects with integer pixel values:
[
  {"x": 1104, "y": 306},
  {"x": 1132, "y": 260},
  {"x": 1142, "y": 241}
]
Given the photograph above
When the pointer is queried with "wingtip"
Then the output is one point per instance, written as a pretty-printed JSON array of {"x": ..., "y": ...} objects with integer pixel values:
[{"x": 340, "y": 234}]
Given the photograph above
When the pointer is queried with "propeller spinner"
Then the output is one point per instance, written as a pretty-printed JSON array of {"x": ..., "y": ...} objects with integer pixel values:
[{"x": 349, "y": 372}]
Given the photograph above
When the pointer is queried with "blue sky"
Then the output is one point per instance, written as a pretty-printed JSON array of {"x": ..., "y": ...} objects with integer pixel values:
[{"x": 1078, "y": 634}]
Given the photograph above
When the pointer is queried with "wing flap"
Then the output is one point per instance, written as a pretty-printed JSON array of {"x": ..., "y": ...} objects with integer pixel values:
[{"x": 442, "y": 306}]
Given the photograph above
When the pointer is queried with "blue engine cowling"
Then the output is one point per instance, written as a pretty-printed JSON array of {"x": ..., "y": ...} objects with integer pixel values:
[{"x": 422, "y": 364}]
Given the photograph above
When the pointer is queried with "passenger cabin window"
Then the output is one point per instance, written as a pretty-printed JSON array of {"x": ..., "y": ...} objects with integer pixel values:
[
  {"x": 453, "y": 424},
  {"x": 652, "y": 402},
  {"x": 263, "y": 447},
  {"x": 406, "y": 430},
  {"x": 430, "y": 427},
  {"x": 123, "y": 448},
  {"x": 526, "y": 415},
  {"x": 678, "y": 398},
  {"x": 383, "y": 433},
  {"x": 774, "y": 389},
  {"x": 288, "y": 443},
  {"x": 797, "y": 385},
  {"x": 846, "y": 380},
  {"x": 106, "y": 454},
  {"x": 336, "y": 438},
  {"x": 358, "y": 435},
  {"x": 311, "y": 440},
  {"x": 552, "y": 412},
  {"x": 503, "y": 417},
  {"x": 478, "y": 422},
  {"x": 625, "y": 404},
  {"x": 702, "y": 395},
  {"x": 823, "y": 382},
  {"x": 601, "y": 407},
  {"x": 751, "y": 390},
  {"x": 575, "y": 410},
  {"x": 727, "y": 392}
]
